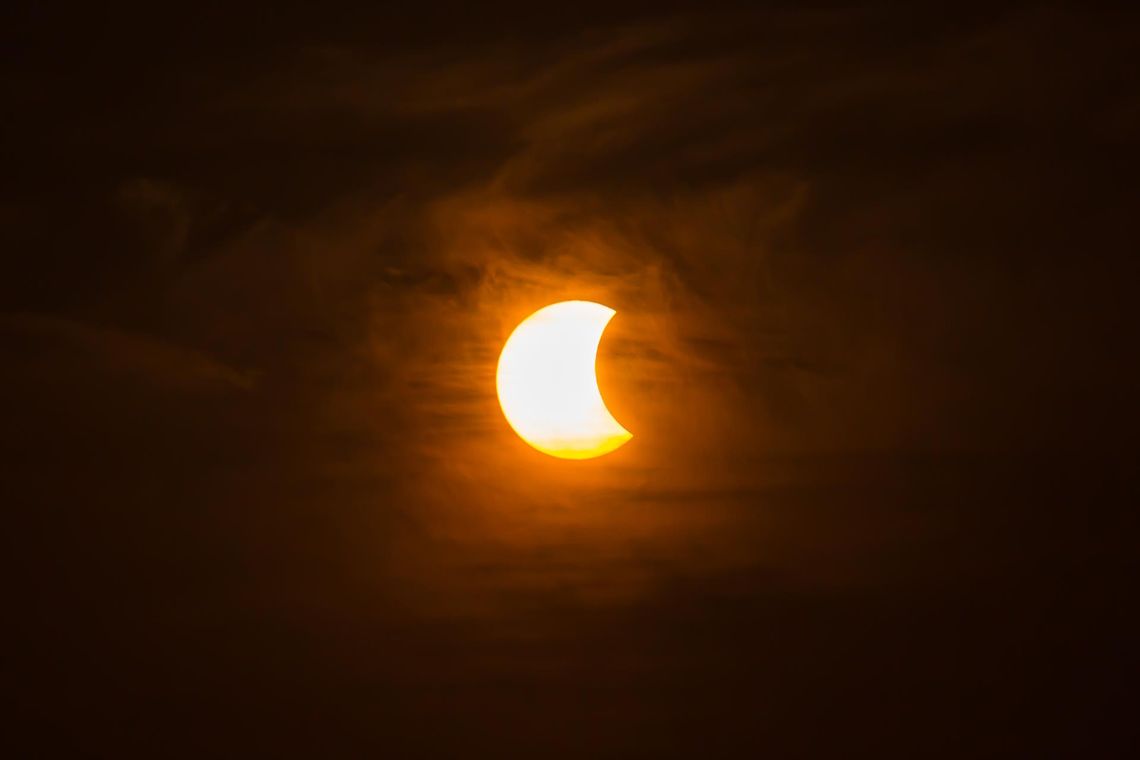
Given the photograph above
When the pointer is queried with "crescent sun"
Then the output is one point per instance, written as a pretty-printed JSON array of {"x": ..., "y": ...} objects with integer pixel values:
[{"x": 548, "y": 387}]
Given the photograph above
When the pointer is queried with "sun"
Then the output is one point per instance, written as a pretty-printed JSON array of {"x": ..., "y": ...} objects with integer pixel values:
[{"x": 547, "y": 385}]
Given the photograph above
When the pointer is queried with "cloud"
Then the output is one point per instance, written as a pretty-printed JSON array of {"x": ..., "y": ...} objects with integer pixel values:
[
  {"x": 788, "y": 214},
  {"x": 55, "y": 346},
  {"x": 257, "y": 302}
]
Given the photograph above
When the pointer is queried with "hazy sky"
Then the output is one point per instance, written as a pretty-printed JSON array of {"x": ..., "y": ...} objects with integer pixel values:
[{"x": 875, "y": 341}]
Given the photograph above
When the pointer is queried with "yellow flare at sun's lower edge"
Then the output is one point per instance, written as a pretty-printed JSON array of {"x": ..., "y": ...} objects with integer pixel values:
[{"x": 585, "y": 450}]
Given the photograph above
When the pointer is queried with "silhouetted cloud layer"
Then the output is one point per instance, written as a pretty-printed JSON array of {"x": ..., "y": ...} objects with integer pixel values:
[{"x": 870, "y": 275}]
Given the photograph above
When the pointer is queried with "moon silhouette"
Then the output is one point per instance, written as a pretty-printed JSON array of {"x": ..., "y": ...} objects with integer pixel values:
[{"x": 547, "y": 385}]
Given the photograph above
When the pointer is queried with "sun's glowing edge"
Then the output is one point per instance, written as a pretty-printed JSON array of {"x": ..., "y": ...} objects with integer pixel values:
[{"x": 594, "y": 447}]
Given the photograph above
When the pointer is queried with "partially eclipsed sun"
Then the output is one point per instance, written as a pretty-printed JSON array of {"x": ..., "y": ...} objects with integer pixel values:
[{"x": 547, "y": 385}]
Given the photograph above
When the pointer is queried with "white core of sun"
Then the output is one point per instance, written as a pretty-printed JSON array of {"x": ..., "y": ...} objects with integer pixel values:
[{"x": 548, "y": 387}]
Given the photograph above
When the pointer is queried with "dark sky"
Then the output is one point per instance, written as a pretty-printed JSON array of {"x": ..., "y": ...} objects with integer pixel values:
[{"x": 875, "y": 279}]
